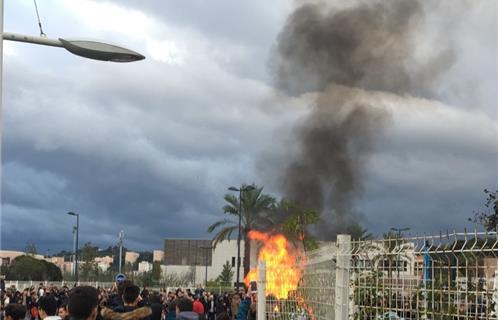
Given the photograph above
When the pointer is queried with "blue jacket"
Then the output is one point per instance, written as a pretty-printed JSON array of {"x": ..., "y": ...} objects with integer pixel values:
[
  {"x": 243, "y": 309},
  {"x": 171, "y": 315}
]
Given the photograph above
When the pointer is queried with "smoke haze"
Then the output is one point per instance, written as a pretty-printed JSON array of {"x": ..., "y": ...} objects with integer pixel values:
[{"x": 334, "y": 52}]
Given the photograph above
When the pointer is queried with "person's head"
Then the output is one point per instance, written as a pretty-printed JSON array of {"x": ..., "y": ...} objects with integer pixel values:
[
  {"x": 14, "y": 311},
  {"x": 122, "y": 285},
  {"x": 47, "y": 306},
  {"x": 183, "y": 305},
  {"x": 83, "y": 302},
  {"x": 130, "y": 295},
  {"x": 62, "y": 311}
]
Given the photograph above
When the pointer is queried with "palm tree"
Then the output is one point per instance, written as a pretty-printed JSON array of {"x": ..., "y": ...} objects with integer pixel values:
[
  {"x": 256, "y": 210},
  {"x": 358, "y": 232},
  {"x": 392, "y": 249},
  {"x": 295, "y": 221}
]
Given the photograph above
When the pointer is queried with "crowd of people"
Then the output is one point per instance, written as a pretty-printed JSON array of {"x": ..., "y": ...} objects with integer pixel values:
[{"x": 124, "y": 301}]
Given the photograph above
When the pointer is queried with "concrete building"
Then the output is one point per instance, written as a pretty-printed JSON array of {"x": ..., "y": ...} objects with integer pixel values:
[
  {"x": 184, "y": 256},
  {"x": 144, "y": 266},
  {"x": 104, "y": 263},
  {"x": 131, "y": 257},
  {"x": 158, "y": 255}
]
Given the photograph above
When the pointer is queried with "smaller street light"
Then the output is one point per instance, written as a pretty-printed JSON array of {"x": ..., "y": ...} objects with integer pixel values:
[
  {"x": 243, "y": 188},
  {"x": 120, "y": 237},
  {"x": 206, "y": 248},
  {"x": 75, "y": 248}
]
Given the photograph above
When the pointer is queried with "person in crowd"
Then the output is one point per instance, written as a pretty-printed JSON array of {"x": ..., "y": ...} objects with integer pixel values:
[
  {"x": 198, "y": 307},
  {"x": 47, "y": 308},
  {"x": 130, "y": 309},
  {"x": 235, "y": 303},
  {"x": 244, "y": 308},
  {"x": 156, "y": 306},
  {"x": 116, "y": 300},
  {"x": 171, "y": 315},
  {"x": 82, "y": 303},
  {"x": 41, "y": 290},
  {"x": 211, "y": 307},
  {"x": 15, "y": 311},
  {"x": 62, "y": 311},
  {"x": 184, "y": 310}
]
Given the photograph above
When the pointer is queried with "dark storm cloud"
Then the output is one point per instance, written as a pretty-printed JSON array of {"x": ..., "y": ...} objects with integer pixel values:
[{"x": 151, "y": 147}]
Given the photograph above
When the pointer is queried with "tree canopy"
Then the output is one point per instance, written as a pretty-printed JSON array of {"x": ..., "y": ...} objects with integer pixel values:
[{"x": 27, "y": 268}]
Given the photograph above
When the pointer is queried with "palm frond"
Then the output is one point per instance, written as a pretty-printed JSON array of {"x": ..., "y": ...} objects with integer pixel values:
[
  {"x": 224, "y": 234},
  {"x": 232, "y": 200},
  {"x": 218, "y": 224}
]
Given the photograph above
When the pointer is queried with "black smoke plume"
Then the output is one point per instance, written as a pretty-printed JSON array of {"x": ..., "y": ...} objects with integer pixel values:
[{"x": 337, "y": 53}]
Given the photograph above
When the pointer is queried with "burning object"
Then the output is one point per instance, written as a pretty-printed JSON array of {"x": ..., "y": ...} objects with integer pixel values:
[{"x": 284, "y": 268}]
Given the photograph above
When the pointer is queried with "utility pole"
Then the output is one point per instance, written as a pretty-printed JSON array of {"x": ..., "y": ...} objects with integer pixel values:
[
  {"x": 206, "y": 248},
  {"x": 120, "y": 237},
  {"x": 75, "y": 247},
  {"x": 74, "y": 250}
]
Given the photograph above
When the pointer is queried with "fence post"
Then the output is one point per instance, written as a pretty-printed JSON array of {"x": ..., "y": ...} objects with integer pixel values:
[
  {"x": 261, "y": 291},
  {"x": 343, "y": 258}
]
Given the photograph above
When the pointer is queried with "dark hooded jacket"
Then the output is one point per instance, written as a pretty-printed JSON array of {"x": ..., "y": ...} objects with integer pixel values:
[{"x": 126, "y": 313}]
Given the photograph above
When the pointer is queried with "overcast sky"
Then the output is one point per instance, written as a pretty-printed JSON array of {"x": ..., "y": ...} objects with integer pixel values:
[{"x": 150, "y": 147}]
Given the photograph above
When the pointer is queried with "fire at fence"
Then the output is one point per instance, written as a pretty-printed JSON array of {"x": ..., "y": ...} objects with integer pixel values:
[{"x": 448, "y": 276}]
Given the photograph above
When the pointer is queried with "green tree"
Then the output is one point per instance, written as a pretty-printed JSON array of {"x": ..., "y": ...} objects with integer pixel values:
[
  {"x": 156, "y": 271},
  {"x": 256, "y": 208},
  {"x": 226, "y": 274},
  {"x": 89, "y": 268},
  {"x": 27, "y": 268},
  {"x": 295, "y": 224},
  {"x": 489, "y": 219}
]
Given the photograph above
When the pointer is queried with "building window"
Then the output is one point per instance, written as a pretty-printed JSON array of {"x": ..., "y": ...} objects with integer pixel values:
[{"x": 233, "y": 262}]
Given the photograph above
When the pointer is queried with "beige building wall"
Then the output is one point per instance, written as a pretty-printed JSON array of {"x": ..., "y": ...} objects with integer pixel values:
[
  {"x": 131, "y": 257},
  {"x": 158, "y": 255}
]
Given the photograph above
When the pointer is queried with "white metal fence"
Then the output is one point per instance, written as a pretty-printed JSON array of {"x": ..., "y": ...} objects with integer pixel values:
[{"x": 444, "y": 277}]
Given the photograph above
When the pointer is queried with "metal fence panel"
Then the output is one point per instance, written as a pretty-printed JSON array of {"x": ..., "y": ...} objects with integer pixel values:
[{"x": 451, "y": 276}]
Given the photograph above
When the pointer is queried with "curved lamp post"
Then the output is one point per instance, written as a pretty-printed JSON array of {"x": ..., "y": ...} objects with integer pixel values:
[{"x": 91, "y": 49}]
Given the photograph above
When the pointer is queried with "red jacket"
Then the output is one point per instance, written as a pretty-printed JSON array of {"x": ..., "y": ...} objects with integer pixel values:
[{"x": 198, "y": 307}]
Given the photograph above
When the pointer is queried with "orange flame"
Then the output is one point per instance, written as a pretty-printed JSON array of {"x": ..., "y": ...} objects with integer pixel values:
[{"x": 283, "y": 269}]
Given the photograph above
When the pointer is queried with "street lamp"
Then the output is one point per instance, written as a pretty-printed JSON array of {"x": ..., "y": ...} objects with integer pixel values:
[
  {"x": 95, "y": 50},
  {"x": 206, "y": 248},
  {"x": 91, "y": 49},
  {"x": 120, "y": 237},
  {"x": 76, "y": 230},
  {"x": 243, "y": 188},
  {"x": 398, "y": 237}
]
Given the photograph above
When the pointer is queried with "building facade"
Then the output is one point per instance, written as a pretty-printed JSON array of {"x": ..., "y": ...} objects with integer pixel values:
[{"x": 183, "y": 256}]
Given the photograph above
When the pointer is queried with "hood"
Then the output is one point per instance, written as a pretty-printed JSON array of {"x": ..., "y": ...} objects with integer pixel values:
[
  {"x": 136, "y": 314},
  {"x": 187, "y": 315}
]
